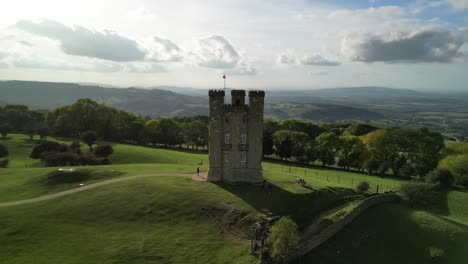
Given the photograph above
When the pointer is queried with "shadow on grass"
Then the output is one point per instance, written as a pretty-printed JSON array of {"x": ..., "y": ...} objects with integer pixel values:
[
  {"x": 302, "y": 208},
  {"x": 393, "y": 233}
]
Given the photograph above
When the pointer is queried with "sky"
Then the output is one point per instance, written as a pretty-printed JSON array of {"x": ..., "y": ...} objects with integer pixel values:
[{"x": 258, "y": 44}]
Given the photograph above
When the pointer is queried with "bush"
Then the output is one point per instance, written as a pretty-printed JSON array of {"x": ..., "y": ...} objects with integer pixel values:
[
  {"x": 53, "y": 159},
  {"x": 417, "y": 194},
  {"x": 89, "y": 159},
  {"x": 362, "y": 187},
  {"x": 3, "y": 151},
  {"x": 284, "y": 238},
  {"x": 103, "y": 151},
  {"x": 75, "y": 145},
  {"x": 440, "y": 175},
  {"x": 4, "y": 163},
  {"x": 458, "y": 166},
  {"x": 47, "y": 147},
  {"x": 67, "y": 175}
]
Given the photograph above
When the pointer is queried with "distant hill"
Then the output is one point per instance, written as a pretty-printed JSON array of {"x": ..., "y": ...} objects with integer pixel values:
[{"x": 154, "y": 102}]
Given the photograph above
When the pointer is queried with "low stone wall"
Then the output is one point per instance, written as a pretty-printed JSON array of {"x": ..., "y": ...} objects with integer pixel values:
[{"x": 334, "y": 228}]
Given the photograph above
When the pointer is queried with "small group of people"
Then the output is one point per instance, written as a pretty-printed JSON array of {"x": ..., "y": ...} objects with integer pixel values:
[{"x": 302, "y": 181}]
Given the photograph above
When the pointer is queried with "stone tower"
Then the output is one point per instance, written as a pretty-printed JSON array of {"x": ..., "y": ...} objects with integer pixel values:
[{"x": 235, "y": 141}]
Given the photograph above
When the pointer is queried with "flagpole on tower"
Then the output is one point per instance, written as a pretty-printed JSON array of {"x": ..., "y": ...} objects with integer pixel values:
[{"x": 224, "y": 77}]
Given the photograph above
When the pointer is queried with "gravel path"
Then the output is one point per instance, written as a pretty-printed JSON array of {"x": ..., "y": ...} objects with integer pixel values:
[{"x": 201, "y": 177}]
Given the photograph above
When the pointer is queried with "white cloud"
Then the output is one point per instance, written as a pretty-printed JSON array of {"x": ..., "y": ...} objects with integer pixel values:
[
  {"x": 140, "y": 14},
  {"x": 458, "y": 5},
  {"x": 144, "y": 68},
  {"x": 80, "y": 41},
  {"x": 318, "y": 60},
  {"x": 216, "y": 52},
  {"x": 163, "y": 50},
  {"x": 422, "y": 45},
  {"x": 383, "y": 12}
]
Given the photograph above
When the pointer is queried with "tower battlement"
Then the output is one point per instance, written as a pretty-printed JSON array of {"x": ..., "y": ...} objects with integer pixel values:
[
  {"x": 256, "y": 94},
  {"x": 216, "y": 92}
]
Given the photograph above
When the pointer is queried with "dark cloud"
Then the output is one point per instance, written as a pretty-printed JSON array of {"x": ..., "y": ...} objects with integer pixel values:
[
  {"x": 430, "y": 45},
  {"x": 80, "y": 41}
]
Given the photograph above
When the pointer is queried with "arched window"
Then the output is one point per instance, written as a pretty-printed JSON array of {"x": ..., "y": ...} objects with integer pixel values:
[
  {"x": 243, "y": 139},
  {"x": 227, "y": 139}
]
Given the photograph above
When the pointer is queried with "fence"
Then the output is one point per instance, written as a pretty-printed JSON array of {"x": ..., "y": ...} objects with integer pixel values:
[{"x": 334, "y": 178}]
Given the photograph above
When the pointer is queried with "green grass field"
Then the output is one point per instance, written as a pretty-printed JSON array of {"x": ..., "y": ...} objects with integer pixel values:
[{"x": 177, "y": 220}]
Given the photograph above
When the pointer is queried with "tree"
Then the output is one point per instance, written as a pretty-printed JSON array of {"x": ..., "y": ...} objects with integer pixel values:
[
  {"x": 440, "y": 175},
  {"x": 283, "y": 143},
  {"x": 269, "y": 128},
  {"x": 5, "y": 129},
  {"x": 301, "y": 126},
  {"x": 89, "y": 137},
  {"x": 103, "y": 151},
  {"x": 43, "y": 132},
  {"x": 458, "y": 166},
  {"x": 3, "y": 151},
  {"x": 284, "y": 238},
  {"x": 359, "y": 129},
  {"x": 362, "y": 187},
  {"x": 351, "y": 151},
  {"x": 417, "y": 194},
  {"x": 327, "y": 147},
  {"x": 31, "y": 132}
]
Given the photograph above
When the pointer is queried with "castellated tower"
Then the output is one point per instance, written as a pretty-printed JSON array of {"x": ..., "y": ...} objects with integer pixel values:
[{"x": 235, "y": 141}]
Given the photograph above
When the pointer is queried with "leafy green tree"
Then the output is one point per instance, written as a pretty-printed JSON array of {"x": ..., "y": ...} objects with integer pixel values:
[
  {"x": 152, "y": 131},
  {"x": 3, "y": 151},
  {"x": 89, "y": 137},
  {"x": 284, "y": 238},
  {"x": 283, "y": 143},
  {"x": 301, "y": 126},
  {"x": 104, "y": 150},
  {"x": 137, "y": 131},
  {"x": 269, "y": 128},
  {"x": 359, "y": 129},
  {"x": 350, "y": 152},
  {"x": 169, "y": 130},
  {"x": 43, "y": 133},
  {"x": 5, "y": 129},
  {"x": 327, "y": 147},
  {"x": 458, "y": 166}
]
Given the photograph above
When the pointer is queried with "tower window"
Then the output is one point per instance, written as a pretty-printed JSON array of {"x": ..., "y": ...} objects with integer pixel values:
[
  {"x": 243, "y": 159},
  {"x": 243, "y": 139},
  {"x": 227, "y": 139},
  {"x": 226, "y": 156},
  {"x": 237, "y": 102}
]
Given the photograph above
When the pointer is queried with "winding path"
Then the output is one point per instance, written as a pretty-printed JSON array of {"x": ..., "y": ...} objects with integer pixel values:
[{"x": 201, "y": 177}]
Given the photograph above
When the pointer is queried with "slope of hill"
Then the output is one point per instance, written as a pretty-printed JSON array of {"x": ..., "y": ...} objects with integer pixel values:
[{"x": 46, "y": 95}]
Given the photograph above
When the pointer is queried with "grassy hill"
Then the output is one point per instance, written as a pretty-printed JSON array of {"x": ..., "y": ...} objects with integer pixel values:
[{"x": 178, "y": 220}]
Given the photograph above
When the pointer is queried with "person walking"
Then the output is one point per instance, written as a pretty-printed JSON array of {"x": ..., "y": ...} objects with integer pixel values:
[{"x": 198, "y": 170}]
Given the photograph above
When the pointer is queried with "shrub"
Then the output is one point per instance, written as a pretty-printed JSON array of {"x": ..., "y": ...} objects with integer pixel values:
[
  {"x": 67, "y": 175},
  {"x": 284, "y": 238},
  {"x": 75, "y": 145},
  {"x": 4, "y": 163},
  {"x": 436, "y": 252},
  {"x": 3, "y": 151},
  {"x": 417, "y": 194},
  {"x": 458, "y": 166},
  {"x": 47, "y": 147},
  {"x": 103, "y": 151},
  {"x": 89, "y": 159},
  {"x": 52, "y": 159},
  {"x": 89, "y": 137},
  {"x": 440, "y": 175},
  {"x": 362, "y": 187}
]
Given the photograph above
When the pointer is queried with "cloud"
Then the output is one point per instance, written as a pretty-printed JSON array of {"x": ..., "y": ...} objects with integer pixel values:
[
  {"x": 163, "y": 50},
  {"x": 318, "y": 60},
  {"x": 368, "y": 13},
  {"x": 26, "y": 43},
  {"x": 423, "y": 45},
  {"x": 106, "y": 45},
  {"x": 144, "y": 68},
  {"x": 216, "y": 52},
  {"x": 140, "y": 14},
  {"x": 318, "y": 73},
  {"x": 37, "y": 62},
  {"x": 458, "y": 5},
  {"x": 286, "y": 58}
]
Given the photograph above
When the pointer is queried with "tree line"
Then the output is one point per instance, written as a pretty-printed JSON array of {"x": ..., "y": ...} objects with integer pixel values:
[{"x": 399, "y": 151}]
